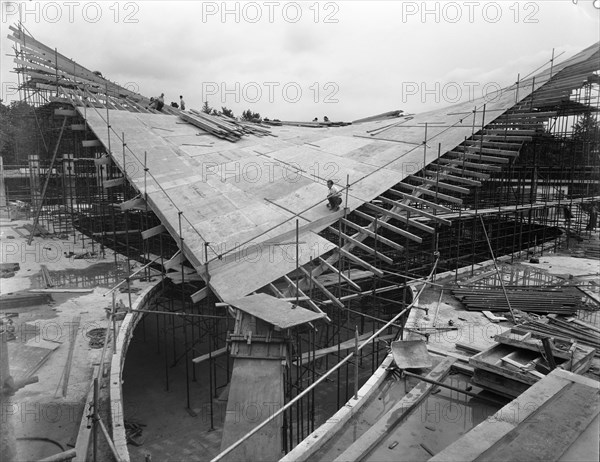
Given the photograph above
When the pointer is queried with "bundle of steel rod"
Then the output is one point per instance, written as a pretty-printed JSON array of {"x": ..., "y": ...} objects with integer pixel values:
[
  {"x": 556, "y": 301},
  {"x": 566, "y": 329},
  {"x": 222, "y": 127}
]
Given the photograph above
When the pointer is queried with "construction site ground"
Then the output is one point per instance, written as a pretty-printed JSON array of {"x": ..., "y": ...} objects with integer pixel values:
[{"x": 46, "y": 415}]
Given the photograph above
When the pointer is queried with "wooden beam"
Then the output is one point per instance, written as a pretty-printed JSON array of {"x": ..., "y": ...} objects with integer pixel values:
[
  {"x": 415, "y": 211},
  {"x": 435, "y": 194},
  {"x": 200, "y": 295},
  {"x": 153, "y": 231},
  {"x": 312, "y": 304},
  {"x": 360, "y": 262},
  {"x": 112, "y": 183},
  {"x": 78, "y": 127},
  {"x": 440, "y": 184},
  {"x": 457, "y": 179},
  {"x": 104, "y": 160},
  {"x": 479, "y": 149},
  {"x": 396, "y": 216},
  {"x": 137, "y": 203},
  {"x": 419, "y": 200},
  {"x": 175, "y": 260},
  {"x": 510, "y": 133},
  {"x": 365, "y": 247},
  {"x": 341, "y": 273},
  {"x": 389, "y": 227},
  {"x": 455, "y": 168},
  {"x": 322, "y": 288},
  {"x": 90, "y": 143},
  {"x": 65, "y": 112},
  {"x": 373, "y": 235},
  {"x": 275, "y": 290},
  {"x": 214, "y": 354},
  {"x": 461, "y": 163},
  {"x": 481, "y": 157}
]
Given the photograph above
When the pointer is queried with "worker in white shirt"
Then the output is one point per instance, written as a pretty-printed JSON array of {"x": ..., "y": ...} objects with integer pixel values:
[{"x": 334, "y": 196}]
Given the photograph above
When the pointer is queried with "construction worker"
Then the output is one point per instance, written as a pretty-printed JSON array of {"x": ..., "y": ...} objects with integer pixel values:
[
  {"x": 181, "y": 103},
  {"x": 334, "y": 196},
  {"x": 160, "y": 102}
]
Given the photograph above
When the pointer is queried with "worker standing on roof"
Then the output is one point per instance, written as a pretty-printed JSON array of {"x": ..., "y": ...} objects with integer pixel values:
[
  {"x": 334, "y": 196},
  {"x": 181, "y": 103},
  {"x": 160, "y": 102}
]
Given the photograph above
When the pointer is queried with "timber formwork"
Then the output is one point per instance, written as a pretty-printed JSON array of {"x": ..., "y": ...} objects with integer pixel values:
[{"x": 500, "y": 177}]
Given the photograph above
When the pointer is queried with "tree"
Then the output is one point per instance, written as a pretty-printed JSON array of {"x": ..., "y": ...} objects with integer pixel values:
[
  {"x": 206, "y": 108},
  {"x": 586, "y": 133},
  {"x": 18, "y": 132},
  {"x": 250, "y": 116},
  {"x": 227, "y": 112}
]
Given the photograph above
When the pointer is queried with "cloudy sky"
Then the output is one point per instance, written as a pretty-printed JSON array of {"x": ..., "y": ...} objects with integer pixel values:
[{"x": 300, "y": 60}]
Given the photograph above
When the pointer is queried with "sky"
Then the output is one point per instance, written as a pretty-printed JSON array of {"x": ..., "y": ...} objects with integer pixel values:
[{"x": 290, "y": 60}]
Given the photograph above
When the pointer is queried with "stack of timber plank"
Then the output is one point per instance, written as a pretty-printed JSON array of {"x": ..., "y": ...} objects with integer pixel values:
[
  {"x": 222, "y": 126},
  {"x": 535, "y": 300},
  {"x": 566, "y": 328},
  {"x": 306, "y": 124}
]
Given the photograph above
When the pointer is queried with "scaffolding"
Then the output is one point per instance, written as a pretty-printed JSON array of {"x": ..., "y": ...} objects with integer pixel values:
[{"x": 524, "y": 179}]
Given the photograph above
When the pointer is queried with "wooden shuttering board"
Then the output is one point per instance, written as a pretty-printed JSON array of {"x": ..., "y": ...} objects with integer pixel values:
[
  {"x": 274, "y": 311},
  {"x": 542, "y": 424},
  {"x": 236, "y": 195},
  {"x": 256, "y": 388}
]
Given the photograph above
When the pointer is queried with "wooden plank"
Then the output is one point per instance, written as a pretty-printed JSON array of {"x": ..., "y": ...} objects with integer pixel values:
[
  {"x": 200, "y": 295},
  {"x": 482, "y": 150},
  {"x": 207, "y": 356},
  {"x": 365, "y": 247},
  {"x": 104, "y": 160},
  {"x": 153, "y": 231},
  {"x": 78, "y": 127},
  {"x": 400, "y": 411},
  {"x": 415, "y": 211},
  {"x": 396, "y": 216},
  {"x": 175, "y": 260},
  {"x": 91, "y": 143},
  {"x": 481, "y": 157},
  {"x": 360, "y": 262},
  {"x": 392, "y": 228},
  {"x": 65, "y": 112},
  {"x": 429, "y": 192},
  {"x": 340, "y": 273},
  {"x": 112, "y": 183},
  {"x": 458, "y": 162},
  {"x": 440, "y": 184},
  {"x": 274, "y": 311},
  {"x": 457, "y": 179},
  {"x": 547, "y": 433},
  {"x": 323, "y": 289},
  {"x": 312, "y": 304},
  {"x": 419, "y": 200},
  {"x": 373, "y": 235},
  {"x": 137, "y": 203},
  {"x": 256, "y": 386}
]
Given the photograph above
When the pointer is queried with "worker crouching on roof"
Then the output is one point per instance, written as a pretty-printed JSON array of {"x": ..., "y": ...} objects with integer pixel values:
[{"x": 334, "y": 196}]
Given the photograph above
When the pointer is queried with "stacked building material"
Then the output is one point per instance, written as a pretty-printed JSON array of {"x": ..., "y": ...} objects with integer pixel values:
[
  {"x": 221, "y": 126},
  {"x": 538, "y": 300},
  {"x": 566, "y": 329}
]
